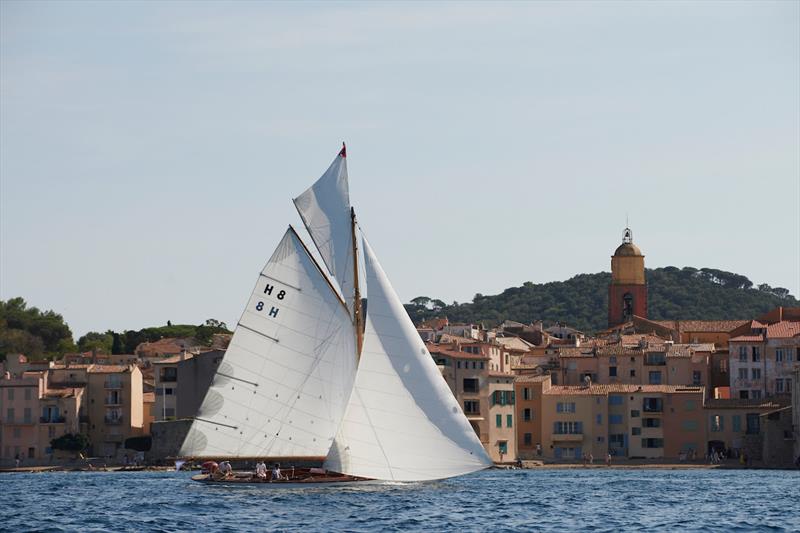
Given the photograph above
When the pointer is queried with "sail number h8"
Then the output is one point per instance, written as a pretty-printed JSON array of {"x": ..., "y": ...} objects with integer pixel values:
[{"x": 273, "y": 312}]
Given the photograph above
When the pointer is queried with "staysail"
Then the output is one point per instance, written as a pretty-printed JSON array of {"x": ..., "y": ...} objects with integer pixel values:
[
  {"x": 282, "y": 388},
  {"x": 403, "y": 422},
  {"x": 325, "y": 210}
]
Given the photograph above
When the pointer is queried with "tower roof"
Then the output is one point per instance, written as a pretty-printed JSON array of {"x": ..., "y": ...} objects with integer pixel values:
[{"x": 627, "y": 248}]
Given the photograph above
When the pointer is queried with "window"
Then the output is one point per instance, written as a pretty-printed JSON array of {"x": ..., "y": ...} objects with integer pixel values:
[
  {"x": 51, "y": 432},
  {"x": 509, "y": 421},
  {"x": 471, "y": 385},
  {"x": 458, "y": 364},
  {"x": 736, "y": 422},
  {"x": 717, "y": 422},
  {"x": 616, "y": 440},
  {"x": 742, "y": 354},
  {"x": 689, "y": 425},
  {"x": 697, "y": 378},
  {"x": 10, "y": 394},
  {"x": 636, "y": 431},
  {"x": 755, "y": 394},
  {"x": 655, "y": 377},
  {"x": 634, "y": 413},
  {"x": 633, "y": 373},
  {"x": 526, "y": 393},
  {"x": 656, "y": 359},
  {"x": 10, "y": 414},
  {"x": 756, "y": 354},
  {"x": 472, "y": 407},
  {"x": 651, "y": 422},
  {"x": 527, "y": 439},
  {"x": 743, "y": 394},
  {"x": 615, "y": 400},
  {"x": 498, "y": 421},
  {"x": 568, "y": 428},
  {"x": 526, "y": 415},
  {"x": 565, "y": 407},
  {"x": 26, "y": 415},
  {"x": 615, "y": 419},
  {"x": 169, "y": 374},
  {"x": 612, "y": 371},
  {"x": 723, "y": 366},
  {"x": 652, "y": 443},
  {"x": 601, "y": 439},
  {"x": 743, "y": 373},
  {"x": 28, "y": 394},
  {"x": 612, "y": 360},
  {"x": 652, "y": 405},
  {"x": 17, "y": 433},
  {"x": 599, "y": 419},
  {"x": 756, "y": 373},
  {"x": 779, "y": 385},
  {"x": 169, "y": 412},
  {"x": 753, "y": 424},
  {"x": 481, "y": 365},
  {"x": 779, "y": 355}
]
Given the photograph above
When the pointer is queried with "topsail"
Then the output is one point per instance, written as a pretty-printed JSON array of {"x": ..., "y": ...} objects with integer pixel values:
[{"x": 325, "y": 210}]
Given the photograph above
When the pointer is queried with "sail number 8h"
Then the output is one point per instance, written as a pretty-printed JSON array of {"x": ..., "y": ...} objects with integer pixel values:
[{"x": 273, "y": 312}]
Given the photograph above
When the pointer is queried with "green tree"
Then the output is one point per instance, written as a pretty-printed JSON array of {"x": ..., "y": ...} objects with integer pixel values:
[
  {"x": 48, "y": 326},
  {"x": 71, "y": 442},
  {"x": 102, "y": 342}
]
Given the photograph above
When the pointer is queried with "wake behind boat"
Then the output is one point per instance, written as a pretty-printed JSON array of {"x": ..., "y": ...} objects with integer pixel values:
[{"x": 308, "y": 376}]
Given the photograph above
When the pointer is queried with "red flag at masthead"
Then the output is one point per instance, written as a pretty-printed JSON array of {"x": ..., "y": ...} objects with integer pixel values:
[{"x": 343, "y": 152}]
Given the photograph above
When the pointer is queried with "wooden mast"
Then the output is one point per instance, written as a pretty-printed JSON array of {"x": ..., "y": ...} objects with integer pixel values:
[{"x": 358, "y": 319}]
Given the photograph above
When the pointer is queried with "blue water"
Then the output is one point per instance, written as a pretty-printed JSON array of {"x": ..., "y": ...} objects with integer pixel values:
[{"x": 494, "y": 500}]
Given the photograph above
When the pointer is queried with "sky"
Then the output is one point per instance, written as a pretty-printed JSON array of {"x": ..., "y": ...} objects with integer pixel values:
[{"x": 149, "y": 151}]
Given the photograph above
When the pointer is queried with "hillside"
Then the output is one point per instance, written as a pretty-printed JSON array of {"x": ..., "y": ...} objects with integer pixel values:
[{"x": 582, "y": 301}]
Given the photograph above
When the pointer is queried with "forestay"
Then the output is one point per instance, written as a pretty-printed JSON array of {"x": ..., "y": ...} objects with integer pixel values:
[
  {"x": 283, "y": 385},
  {"x": 403, "y": 422},
  {"x": 325, "y": 210}
]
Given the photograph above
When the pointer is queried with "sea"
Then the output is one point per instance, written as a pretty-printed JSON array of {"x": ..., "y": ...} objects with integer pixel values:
[{"x": 491, "y": 501}]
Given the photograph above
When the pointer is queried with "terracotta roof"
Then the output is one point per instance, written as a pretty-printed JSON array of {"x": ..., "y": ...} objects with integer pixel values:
[
  {"x": 708, "y": 326},
  {"x": 783, "y": 330},
  {"x": 532, "y": 379},
  {"x": 497, "y": 374},
  {"x": 108, "y": 369},
  {"x": 149, "y": 397},
  {"x": 171, "y": 360},
  {"x": 62, "y": 393},
  {"x": 748, "y": 338},
  {"x": 611, "y": 388},
  {"x": 456, "y": 354},
  {"x": 738, "y": 403},
  {"x": 70, "y": 366}
]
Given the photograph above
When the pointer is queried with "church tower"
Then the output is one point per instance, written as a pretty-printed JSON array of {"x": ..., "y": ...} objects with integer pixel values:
[{"x": 627, "y": 294}]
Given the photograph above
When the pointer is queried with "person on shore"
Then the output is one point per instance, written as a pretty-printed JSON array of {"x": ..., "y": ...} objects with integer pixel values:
[
  {"x": 16, "y": 461},
  {"x": 538, "y": 449},
  {"x": 585, "y": 460},
  {"x": 608, "y": 459},
  {"x": 591, "y": 458}
]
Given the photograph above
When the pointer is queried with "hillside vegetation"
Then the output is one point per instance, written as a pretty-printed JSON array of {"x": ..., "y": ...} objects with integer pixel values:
[{"x": 582, "y": 301}]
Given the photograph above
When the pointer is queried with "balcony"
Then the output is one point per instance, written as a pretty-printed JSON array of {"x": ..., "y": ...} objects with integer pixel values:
[
  {"x": 113, "y": 421},
  {"x": 567, "y": 437},
  {"x": 113, "y": 401},
  {"x": 52, "y": 419}
]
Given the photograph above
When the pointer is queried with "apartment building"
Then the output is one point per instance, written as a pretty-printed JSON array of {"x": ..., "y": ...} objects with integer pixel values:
[
  {"x": 762, "y": 359},
  {"x": 115, "y": 407},
  {"x": 181, "y": 383}
]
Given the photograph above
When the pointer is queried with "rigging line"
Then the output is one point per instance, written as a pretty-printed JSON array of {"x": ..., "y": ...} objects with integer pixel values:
[
  {"x": 257, "y": 332},
  {"x": 281, "y": 282},
  {"x": 216, "y": 423},
  {"x": 237, "y": 379}
]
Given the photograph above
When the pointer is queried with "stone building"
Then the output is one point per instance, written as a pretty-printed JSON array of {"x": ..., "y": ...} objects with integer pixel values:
[{"x": 627, "y": 293}]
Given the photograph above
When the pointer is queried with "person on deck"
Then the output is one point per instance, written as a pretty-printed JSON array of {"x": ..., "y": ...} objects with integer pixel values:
[
  {"x": 261, "y": 470},
  {"x": 276, "y": 473}
]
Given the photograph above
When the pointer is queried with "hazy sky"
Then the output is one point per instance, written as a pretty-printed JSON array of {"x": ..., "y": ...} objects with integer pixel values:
[{"x": 149, "y": 151}]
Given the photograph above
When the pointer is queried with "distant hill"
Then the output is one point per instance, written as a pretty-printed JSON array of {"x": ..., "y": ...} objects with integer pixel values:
[{"x": 582, "y": 301}]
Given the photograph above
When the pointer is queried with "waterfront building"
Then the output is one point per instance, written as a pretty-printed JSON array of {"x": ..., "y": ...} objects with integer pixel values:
[
  {"x": 181, "y": 383},
  {"x": 763, "y": 355},
  {"x": 627, "y": 292},
  {"x": 796, "y": 410},
  {"x": 735, "y": 424},
  {"x": 528, "y": 408},
  {"x": 115, "y": 407}
]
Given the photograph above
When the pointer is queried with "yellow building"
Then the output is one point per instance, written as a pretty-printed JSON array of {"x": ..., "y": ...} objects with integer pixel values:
[{"x": 115, "y": 407}]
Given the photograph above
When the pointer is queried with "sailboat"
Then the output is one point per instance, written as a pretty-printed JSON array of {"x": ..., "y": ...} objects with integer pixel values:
[{"x": 311, "y": 378}]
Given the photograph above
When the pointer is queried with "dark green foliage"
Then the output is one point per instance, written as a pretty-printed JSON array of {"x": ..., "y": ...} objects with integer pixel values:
[
  {"x": 30, "y": 331},
  {"x": 102, "y": 342},
  {"x": 70, "y": 442},
  {"x": 203, "y": 333},
  {"x": 582, "y": 301}
]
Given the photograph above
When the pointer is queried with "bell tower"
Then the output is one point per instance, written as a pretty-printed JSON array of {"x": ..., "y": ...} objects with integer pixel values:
[{"x": 627, "y": 293}]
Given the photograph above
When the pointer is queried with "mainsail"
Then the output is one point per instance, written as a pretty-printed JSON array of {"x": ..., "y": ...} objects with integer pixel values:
[
  {"x": 325, "y": 210},
  {"x": 282, "y": 388},
  {"x": 403, "y": 422}
]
